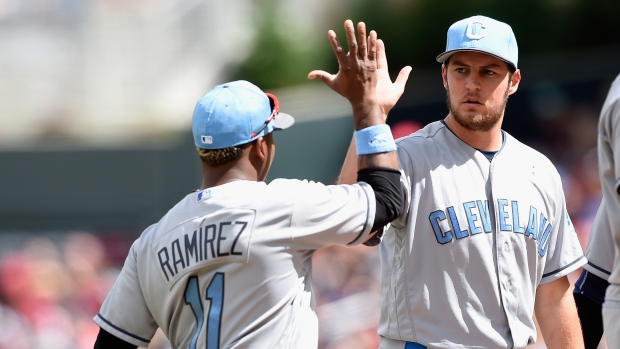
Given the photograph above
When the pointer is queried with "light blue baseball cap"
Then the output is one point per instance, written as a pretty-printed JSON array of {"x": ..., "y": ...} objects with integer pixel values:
[
  {"x": 482, "y": 34},
  {"x": 236, "y": 113}
]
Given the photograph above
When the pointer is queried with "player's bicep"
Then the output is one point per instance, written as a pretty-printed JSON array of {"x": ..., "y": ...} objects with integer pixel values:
[
  {"x": 561, "y": 247},
  {"x": 329, "y": 215},
  {"x": 613, "y": 133},
  {"x": 124, "y": 312},
  {"x": 557, "y": 315}
]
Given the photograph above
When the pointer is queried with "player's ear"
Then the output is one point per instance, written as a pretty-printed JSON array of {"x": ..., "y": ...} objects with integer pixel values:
[
  {"x": 259, "y": 149},
  {"x": 444, "y": 76},
  {"x": 261, "y": 157},
  {"x": 514, "y": 82}
]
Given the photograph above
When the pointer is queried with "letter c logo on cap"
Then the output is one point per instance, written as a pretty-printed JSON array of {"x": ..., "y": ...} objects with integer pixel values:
[{"x": 475, "y": 30}]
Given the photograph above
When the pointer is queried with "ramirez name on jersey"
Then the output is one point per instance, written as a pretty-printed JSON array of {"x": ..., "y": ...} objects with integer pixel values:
[{"x": 218, "y": 238}]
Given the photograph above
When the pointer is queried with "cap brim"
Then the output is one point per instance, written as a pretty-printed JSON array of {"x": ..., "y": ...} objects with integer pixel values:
[
  {"x": 444, "y": 56},
  {"x": 283, "y": 121}
]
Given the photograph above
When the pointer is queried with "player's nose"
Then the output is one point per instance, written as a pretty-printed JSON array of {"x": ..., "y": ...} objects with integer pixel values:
[{"x": 472, "y": 82}]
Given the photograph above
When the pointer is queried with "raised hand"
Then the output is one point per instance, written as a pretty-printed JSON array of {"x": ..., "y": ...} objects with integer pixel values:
[
  {"x": 366, "y": 63},
  {"x": 388, "y": 93},
  {"x": 356, "y": 79}
]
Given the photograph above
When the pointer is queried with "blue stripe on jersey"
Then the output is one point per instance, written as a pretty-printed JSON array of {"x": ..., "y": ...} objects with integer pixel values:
[
  {"x": 123, "y": 331},
  {"x": 599, "y": 268},
  {"x": 564, "y": 267},
  {"x": 591, "y": 286}
]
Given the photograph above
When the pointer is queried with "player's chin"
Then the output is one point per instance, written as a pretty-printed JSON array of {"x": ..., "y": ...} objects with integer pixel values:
[
  {"x": 472, "y": 116},
  {"x": 473, "y": 110}
]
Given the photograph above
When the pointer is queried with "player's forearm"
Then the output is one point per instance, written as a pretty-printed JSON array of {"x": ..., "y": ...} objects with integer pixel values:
[
  {"x": 348, "y": 173},
  {"x": 557, "y": 315},
  {"x": 388, "y": 160},
  {"x": 561, "y": 329},
  {"x": 591, "y": 318}
]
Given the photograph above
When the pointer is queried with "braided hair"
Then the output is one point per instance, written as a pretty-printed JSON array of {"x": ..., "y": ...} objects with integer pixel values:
[{"x": 219, "y": 157}]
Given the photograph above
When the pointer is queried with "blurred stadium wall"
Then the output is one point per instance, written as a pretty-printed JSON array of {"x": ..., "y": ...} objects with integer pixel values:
[{"x": 98, "y": 95}]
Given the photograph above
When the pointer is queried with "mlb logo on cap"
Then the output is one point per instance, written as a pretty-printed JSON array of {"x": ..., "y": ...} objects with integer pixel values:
[
  {"x": 482, "y": 34},
  {"x": 206, "y": 139}
]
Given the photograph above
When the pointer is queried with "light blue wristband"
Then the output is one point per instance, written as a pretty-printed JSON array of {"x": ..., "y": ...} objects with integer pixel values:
[{"x": 374, "y": 139}]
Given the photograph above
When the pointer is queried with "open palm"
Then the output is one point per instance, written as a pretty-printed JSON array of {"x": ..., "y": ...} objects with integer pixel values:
[{"x": 372, "y": 52}]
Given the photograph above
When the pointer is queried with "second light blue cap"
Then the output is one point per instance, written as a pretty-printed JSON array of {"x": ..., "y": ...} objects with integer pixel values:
[
  {"x": 482, "y": 34},
  {"x": 236, "y": 113}
]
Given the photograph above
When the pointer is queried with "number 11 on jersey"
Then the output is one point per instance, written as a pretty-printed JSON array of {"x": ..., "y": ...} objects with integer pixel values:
[{"x": 215, "y": 295}]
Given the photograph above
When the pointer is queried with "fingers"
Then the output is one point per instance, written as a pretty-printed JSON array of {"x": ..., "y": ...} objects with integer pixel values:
[
  {"x": 381, "y": 57},
  {"x": 362, "y": 50},
  {"x": 333, "y": 39},
  {"x": 372, "y": 45},
  {"x": 361, "y": 45},
  {"x": 350, "y": 33}
]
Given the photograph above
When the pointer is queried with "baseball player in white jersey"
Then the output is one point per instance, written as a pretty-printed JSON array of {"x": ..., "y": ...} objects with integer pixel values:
[
  {"x": 486, "y": 242},
  {"x": 590, "y": 288},
  {"x": 609, "y": 171},
  {"x": 230, "y": 265}
]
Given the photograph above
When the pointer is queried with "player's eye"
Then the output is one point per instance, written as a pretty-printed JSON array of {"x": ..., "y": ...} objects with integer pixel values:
[{"x": 460, "y": 70}]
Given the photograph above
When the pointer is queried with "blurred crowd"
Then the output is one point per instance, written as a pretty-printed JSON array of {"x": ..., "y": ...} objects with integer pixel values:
[
  {"x": 49, "y": 292},
  {"x": 50, "y": 289}
]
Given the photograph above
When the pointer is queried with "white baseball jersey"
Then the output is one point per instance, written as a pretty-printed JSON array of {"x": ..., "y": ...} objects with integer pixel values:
[
  {"x": 600, "y": 249},
  {"x": 609, "y": 172},
  {"x": 230, "y": 266},
  {"x": 461, "y": 268}
]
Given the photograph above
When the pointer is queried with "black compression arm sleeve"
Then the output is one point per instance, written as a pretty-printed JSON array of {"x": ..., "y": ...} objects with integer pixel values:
[
  {"x": 389, "y": 194},
  {"x": 591, "y": 320},
  {"x": 105, "y": 340}
]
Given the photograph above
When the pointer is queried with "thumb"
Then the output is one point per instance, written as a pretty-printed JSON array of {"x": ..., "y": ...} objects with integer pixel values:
[
  {"x": 402, "y": 77},
  {"x": 322, "y": 75}
]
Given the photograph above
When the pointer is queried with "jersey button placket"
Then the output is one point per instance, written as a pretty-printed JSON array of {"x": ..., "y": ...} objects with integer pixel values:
[{"x": 507, "y": 282}]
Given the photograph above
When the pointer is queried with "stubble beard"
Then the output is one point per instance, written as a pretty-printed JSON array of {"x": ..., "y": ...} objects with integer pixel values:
[{"x": 481, "y": 122}]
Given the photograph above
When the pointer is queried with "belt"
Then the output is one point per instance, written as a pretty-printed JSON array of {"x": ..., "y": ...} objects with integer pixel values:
[{"x": 388, "y": 343}]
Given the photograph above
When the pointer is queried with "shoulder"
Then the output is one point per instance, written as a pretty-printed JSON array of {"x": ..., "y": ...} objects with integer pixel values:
[
  {"x": 296, "y": 190},
  {"x": 424, "y": 141},
  {"x": 520, "y": 158},
  {"x": 523, "y": 152},
  {"x": 145, "y": 239},
  {"x": 282, "y": 184},
  {"x": 609, "y": 119},
  {"x": 287, "y": 189},
  {"x": 613, "y": 96},
  {"x": 430, "y": 131}
]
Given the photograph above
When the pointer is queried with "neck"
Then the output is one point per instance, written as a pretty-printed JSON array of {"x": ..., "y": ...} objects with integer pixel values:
[
  {"x": 490, "y": 140},
  {"x": 214, "y": 176}
]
